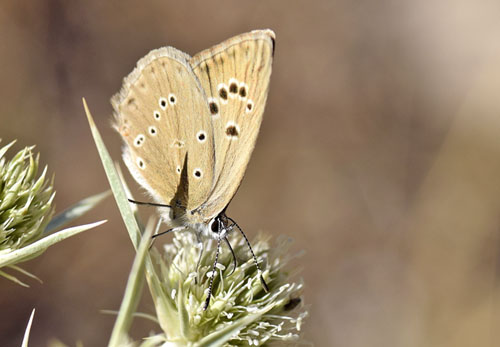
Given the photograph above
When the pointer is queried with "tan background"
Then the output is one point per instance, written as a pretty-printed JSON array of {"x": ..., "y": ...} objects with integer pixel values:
[{"x": 379, "y": 154}]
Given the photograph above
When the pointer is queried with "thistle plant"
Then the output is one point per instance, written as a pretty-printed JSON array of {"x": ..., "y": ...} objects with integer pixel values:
[
  {"x": 25, "y": 201},
  {"x": 241, "y": 312},
  {"x": 26, "y": 210}
]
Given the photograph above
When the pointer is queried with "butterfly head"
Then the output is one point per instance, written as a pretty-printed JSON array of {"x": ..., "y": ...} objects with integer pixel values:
[{"x": 216, "y": 228}]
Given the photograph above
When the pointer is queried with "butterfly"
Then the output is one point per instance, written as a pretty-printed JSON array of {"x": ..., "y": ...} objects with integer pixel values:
[{"x": 190, "y": 124}]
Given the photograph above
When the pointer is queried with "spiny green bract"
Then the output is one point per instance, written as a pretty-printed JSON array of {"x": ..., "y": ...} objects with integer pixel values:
[{"x": 25, "y": 200}]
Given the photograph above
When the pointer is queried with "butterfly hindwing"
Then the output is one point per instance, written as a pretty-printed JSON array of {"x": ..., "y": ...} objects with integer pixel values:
[
  {"x": 162, "y": 115},
  {"x": 235, "y": 77}
]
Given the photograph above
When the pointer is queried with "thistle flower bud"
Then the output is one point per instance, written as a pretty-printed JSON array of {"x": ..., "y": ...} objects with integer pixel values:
[
  {"x": 240, "y": 311},
  {"x": 25, "y": 200}
]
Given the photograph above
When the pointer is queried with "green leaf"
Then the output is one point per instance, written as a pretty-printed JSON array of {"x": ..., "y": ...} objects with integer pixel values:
[
  {"x": 157, "y": 340},
  {"x": 13, "y": 279},
  {"x": 146, "y": 316},
  {"x": 36, "y": 248},
  {"x": 24, "y": 272},
  {"x": 132, "y": 291},
  {"x": 183, "y": 314},
  {"x": 133, "y": 207},
  {"x": 75, "y": 211},
  {"x": 165, "y": 311},
  {"x": 115, "y": 183},
  {"x": 5, "y": 148},
  {"x": 28, "y": 329}
]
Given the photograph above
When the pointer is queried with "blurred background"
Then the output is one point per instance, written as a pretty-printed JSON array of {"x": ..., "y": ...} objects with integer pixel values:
[{"x": 379, "y": 155}]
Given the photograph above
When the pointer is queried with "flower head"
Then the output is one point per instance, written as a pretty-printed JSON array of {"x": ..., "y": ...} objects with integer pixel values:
[
  {"x": 240, "y": 311},
  {"x": 25, "y": 200}
]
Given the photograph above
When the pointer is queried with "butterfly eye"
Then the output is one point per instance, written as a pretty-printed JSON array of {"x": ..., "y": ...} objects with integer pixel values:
[
  {"x": 214, "y": 226},
  {"x": 163, "y": 103}
]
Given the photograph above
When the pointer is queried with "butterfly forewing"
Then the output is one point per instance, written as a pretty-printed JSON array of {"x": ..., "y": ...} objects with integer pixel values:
[
  {"x": 235, "y": 76},
  {"x": 163, "y": 117}
]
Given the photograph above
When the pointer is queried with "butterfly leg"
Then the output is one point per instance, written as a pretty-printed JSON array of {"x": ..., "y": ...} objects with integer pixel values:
[
  {"x": 235, "y": 261},
  {"x": 153, "y": 238},
  {"x": 207, "y": 301}
]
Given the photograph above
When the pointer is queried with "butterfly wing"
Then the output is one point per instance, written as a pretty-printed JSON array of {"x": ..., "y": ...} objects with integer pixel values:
[
  {"x": 235, "y": 76},
  {"x": 163, "y": 118}
]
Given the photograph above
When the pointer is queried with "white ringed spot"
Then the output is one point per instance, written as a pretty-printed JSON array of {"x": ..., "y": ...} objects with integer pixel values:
[
  {"x": 213, "y": 104},
  {"x": 249, "y": 107},
  {"x": 163, "y": 103},
  {"x": 157, "y": 115},
  {"x": 140, "y": 163},
  {"x": 233, "y": 87},
  {"x": 172, "y": 99},
  {"x": 243, "y": 91},
  {"x": 201, "y": 136},
  {"x": 222, "y": 90},
  {"x": 152, "y": 130},
  {"x": 139, "y": 140},
  {"x": 197, "y": 173},
  {"x": 232, "y": 130}
]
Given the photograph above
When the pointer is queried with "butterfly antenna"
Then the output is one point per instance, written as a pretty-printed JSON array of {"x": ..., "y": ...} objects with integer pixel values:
[
  {"x": 169, "y": 230},
  {"x": 162, "y": 233},
  {"x": 264, "y": 284},
  {"x": 148, "y": 203},
  {"x": 153, "y": 238},
  {"x": 235, "y": 261},
  {"x": 207, "y": 301}
]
